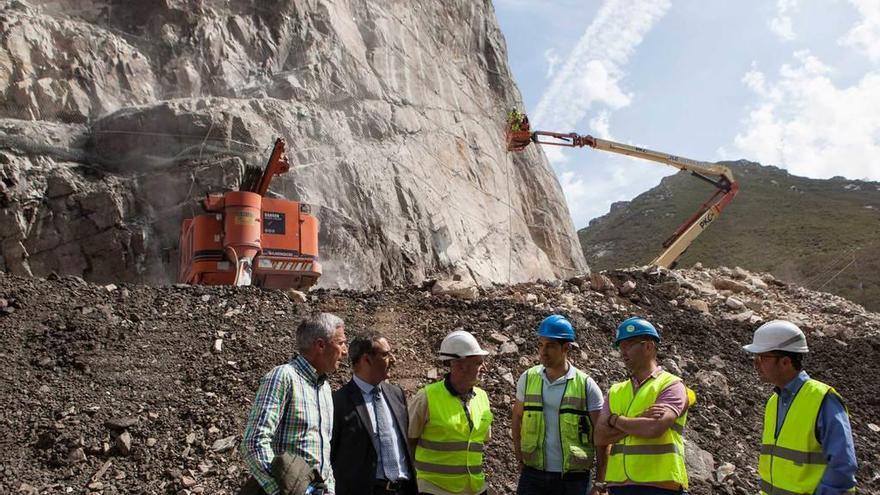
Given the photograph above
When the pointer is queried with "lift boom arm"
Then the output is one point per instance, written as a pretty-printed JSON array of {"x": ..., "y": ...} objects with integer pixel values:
[{"x": 519, "y": 136}]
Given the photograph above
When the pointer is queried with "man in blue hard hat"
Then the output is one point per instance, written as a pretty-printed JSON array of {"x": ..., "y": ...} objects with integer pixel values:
[
  {"x": 644, "y": 418},
  {"x": 556, "y": 408}
]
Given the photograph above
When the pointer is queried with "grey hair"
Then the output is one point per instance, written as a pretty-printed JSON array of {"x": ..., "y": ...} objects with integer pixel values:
[
  {"x": 319, "y": 326},
  {"x": 363, "y": 344}
]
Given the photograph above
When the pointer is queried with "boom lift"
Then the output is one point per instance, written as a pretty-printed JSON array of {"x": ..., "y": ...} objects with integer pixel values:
[
  {"x": 246, "y": 238},
  {"x": 519, "y": 137}
]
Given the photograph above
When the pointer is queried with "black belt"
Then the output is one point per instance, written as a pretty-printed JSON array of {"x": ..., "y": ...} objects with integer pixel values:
[
  {"x": 389, "y": 486},
  {"x": 570, "y": 476}
]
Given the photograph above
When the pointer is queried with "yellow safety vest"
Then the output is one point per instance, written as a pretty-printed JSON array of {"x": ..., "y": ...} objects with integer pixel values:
[
  {"x": 647, "y": 460},
  {"x": 575, "y": 427},
  {"x": 450, "y": 451},
  {"x": 793, "y": 463}
]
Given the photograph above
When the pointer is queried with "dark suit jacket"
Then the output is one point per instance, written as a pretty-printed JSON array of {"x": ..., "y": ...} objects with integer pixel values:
[{"x": 352, "y": 448}]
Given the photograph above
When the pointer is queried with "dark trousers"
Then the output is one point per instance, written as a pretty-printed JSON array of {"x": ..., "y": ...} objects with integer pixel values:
[
  {"x": 642, "y": 490},
  {"x": 535, "y": 482}
]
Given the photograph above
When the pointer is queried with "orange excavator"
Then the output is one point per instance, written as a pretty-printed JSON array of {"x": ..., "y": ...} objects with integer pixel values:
[
  {"x": 247, "y": 238},
  {"x": 519, "y": 136}
]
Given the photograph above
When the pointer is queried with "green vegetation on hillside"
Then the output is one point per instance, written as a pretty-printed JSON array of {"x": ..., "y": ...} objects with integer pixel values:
[{"x": 822, "y": 234}]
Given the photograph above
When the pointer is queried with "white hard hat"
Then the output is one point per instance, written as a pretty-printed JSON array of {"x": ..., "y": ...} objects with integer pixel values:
[
  {"x": 459, "y": 344},
  {"x": 778, "y": 335}
]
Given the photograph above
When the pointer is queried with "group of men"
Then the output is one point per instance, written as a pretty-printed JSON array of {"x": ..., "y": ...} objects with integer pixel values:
[{"x": 568, "y": 439}]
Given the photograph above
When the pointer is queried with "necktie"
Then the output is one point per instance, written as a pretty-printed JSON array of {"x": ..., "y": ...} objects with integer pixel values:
[{"x": 388, "y": 451}]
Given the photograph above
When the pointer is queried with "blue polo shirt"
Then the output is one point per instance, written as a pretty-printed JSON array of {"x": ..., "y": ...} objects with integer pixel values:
[{"x": 552, "y": 393}]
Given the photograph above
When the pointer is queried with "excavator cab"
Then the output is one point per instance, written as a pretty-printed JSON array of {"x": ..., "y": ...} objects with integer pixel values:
[{"x": 246, "y": 238}]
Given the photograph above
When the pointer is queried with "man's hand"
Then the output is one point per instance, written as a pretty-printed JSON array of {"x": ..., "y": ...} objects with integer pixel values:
[
  {"x": 655, "y": 411},
  {"x": 599, "y": 488},
  {"x": 515, "y": 431}
]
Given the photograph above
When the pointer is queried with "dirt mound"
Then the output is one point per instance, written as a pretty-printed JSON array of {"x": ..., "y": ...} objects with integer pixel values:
[{"x": 134, "y": 389}]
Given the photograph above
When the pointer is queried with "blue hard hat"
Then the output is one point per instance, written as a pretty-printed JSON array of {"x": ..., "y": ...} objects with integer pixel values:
[
  {"x": 556, "y": 327},
  {"x": 633, "y": 327}
]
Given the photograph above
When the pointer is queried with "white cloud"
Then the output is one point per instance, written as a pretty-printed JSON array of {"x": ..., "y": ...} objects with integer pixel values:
[
  {"x": 589, "y": 81},
  {"x": 552, "y": 60},
  {"x": 593, "y": 71},
  {"x": 754, "y": 80},
  {"x": 781, "y": 25},
  {"x": 555, "y": 155},
  {"x": 591, "y": 191},
  {"x": 865, "y": 36},
  {"x": 600, "y": 125},
  {"x": 807, "y": 124}
]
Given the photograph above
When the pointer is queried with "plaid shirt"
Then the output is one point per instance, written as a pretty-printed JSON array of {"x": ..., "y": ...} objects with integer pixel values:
[{"x": 293, "y": 412}]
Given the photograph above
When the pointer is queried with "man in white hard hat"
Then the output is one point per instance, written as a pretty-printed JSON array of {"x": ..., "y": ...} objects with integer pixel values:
[
  {"x": 449, "y": 422},
  {"x": 807, "y": 444}
]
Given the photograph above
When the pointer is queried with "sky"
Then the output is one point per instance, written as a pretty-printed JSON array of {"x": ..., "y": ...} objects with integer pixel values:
[{"x": 789, "y": 83}]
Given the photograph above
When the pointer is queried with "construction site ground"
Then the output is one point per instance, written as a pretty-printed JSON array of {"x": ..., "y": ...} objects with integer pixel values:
[{"x": 136, "y": 389}]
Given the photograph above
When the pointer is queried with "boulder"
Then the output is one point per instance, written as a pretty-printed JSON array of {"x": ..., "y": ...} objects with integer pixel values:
[
  {"x": 456, "y": 289},
  {"x": 733, "y": 303},
  {"x": 600, "y": 282},
  {"x": 721, "y": 283},
  {"x": 700, "y": 463},
  {"x": 714, "y": 381},
  {"x": 123, "y": 443},
  {"x": 724, "y": 471},
  {"x": 295, "y": 296},
  {"x": 697, "y": 305},
  {"x": 627, "y": 288},
  {"x": 223, "y": 444}
]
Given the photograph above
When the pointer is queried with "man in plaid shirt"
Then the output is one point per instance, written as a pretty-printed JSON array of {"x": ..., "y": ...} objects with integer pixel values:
[{"x": 293, "y": 409}]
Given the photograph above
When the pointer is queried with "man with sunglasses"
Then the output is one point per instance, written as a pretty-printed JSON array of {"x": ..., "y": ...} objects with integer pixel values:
[
  {"x": 806, "y": 444},
  {"x": 643, "y": 419}
]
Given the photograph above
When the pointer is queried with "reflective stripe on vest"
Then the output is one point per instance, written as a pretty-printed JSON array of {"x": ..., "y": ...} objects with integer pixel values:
[
  {"x": 647, "y": 460},
  {"x": 451, "y": 446},
  {"x": 575, "y": 427},
  {"x": 793, "y": 462},
  {"x": 449, "y": 453}
]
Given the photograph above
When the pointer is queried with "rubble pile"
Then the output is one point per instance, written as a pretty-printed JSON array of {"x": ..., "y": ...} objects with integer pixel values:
[{"x": 135, "y": 389}]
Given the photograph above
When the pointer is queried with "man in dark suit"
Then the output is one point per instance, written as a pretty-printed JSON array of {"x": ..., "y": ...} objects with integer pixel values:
[{"x": 368, "y": 450}]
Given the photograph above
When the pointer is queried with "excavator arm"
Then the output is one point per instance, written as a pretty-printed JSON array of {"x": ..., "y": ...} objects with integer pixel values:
[{"x": 519, "y": 137}]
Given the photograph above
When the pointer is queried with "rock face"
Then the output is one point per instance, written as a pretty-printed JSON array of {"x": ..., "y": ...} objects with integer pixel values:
[{"x": 116, "y": 121}]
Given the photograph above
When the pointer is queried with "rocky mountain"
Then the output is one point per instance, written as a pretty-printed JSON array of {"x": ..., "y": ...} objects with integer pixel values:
[
  {"x": 821, "y": 234},
  {"x": 117, "y": 117},
  {"x": 134, "y": 389}
]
